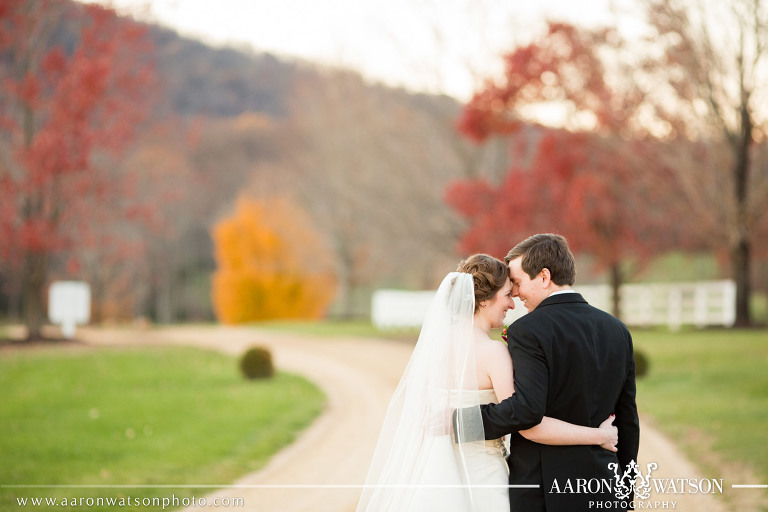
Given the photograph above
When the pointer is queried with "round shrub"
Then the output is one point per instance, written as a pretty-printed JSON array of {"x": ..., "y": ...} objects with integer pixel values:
[
  {"x": 256, "y": 363},
  {"x": 641, "y": 364}
]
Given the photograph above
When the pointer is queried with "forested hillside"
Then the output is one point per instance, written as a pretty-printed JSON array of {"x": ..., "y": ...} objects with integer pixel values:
[
  {"x": 367, "y": 163},
  {"x": 222, "y": 82}
]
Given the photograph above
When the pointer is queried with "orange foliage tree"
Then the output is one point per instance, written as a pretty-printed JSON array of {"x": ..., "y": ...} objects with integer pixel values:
[{"x": 271, "y": 264}]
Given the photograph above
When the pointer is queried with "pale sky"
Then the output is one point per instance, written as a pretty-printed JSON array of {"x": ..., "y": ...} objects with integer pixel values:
[{"x": 437, "y": 46}]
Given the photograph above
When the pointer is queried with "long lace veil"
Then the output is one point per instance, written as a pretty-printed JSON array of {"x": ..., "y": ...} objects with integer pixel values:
[{"x": 418, "y": 458}]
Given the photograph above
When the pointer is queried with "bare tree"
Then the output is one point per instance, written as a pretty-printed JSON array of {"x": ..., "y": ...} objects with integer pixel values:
[
  {"x": 706, "y": 82},
  {"x": 372, "y": 165}
]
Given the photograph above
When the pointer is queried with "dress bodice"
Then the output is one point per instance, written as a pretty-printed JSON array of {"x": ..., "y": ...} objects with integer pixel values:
[
  {"x": 469, "y": 398},
  {"x": 487, "y": 396}
]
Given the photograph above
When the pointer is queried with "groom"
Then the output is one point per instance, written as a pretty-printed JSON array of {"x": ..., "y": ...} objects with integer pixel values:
[{"x": 573, "y": 362}]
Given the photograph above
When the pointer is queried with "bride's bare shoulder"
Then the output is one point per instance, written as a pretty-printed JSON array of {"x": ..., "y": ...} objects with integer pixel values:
[{"x": 490, "y": 348}]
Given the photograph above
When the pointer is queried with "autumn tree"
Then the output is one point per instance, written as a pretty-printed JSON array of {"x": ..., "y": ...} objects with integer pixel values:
[
  {"x": 192, "y": 169},
  {"x": 137, "y": 266},
  {"x": 587, "y": 179},
  {"x": 271, "y": 264},
  {"x": 74, "y": 82},
  {"x": 570, "y": 184},
  {"x": 693, "y": 86}
]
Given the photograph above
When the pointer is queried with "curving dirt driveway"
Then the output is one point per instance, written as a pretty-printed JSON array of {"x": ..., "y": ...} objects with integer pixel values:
[{"x": 319, "y": 472}]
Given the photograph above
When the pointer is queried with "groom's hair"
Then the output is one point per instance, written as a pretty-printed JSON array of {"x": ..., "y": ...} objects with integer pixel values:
[{"x": 548, "y": 251}]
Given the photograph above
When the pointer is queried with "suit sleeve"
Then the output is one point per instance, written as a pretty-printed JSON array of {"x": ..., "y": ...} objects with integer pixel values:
[
  {"x": 525, "y": 408},
  {"x": 626, "y": 415}
]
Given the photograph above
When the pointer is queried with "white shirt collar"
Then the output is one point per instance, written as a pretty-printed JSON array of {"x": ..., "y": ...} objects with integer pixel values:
[{"x": 561, "y": 292}]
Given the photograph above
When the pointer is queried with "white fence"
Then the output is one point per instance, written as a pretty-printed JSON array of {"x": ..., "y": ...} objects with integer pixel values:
[
  {"x": 700, "y": 304},
  {"x": 392, "y": 309}
]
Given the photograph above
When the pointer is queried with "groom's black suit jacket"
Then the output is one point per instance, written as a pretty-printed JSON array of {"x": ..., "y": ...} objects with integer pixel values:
[{"x": 573, "y": 362}]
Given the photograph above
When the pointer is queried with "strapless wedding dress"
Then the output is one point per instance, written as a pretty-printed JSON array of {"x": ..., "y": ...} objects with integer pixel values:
[{"x": 489, "y": 472}]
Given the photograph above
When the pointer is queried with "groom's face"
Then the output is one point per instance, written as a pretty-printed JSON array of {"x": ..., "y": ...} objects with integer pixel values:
[{"x": 530, "y": 291}]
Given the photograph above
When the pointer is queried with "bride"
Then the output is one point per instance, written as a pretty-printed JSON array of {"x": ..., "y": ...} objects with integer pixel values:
[{"x": 420, "y": 463}]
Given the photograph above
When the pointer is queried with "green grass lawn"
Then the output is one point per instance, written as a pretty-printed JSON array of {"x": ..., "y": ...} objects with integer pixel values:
[
  {"x": 148, "y": 416},
  {"x": 709, "y": 391}
]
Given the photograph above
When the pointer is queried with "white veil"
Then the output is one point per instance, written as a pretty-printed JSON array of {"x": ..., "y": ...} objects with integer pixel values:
[{"x": 416, "y": 464}]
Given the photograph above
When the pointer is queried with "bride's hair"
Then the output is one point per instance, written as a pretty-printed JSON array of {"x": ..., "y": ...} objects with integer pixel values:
[{"x": 488, "y": 273}]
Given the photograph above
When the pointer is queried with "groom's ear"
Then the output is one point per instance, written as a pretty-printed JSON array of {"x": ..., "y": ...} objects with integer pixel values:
[{"x": 546, "y": 276}]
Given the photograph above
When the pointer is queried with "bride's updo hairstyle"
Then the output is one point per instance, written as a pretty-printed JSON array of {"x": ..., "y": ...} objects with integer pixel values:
[{"x": 488, "y": 273}]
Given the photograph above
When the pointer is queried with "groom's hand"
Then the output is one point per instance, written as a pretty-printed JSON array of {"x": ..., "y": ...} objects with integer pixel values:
[{"x": 610, "y": 433}]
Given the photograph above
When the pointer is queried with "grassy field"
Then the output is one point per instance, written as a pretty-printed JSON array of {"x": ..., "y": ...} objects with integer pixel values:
[
  {"x": 709, "y": 391},
  {"x": 139, "y": 417}
]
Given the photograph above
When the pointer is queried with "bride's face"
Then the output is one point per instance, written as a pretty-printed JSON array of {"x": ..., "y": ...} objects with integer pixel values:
[{"x": 498, "y": 307}]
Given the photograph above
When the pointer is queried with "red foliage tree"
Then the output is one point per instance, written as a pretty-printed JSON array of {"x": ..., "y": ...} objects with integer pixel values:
[
  {"x": 559, "y": 69},
  {"x": 64, "y": 113},
  {"x": 684, "y": 85},
  {"x": 590, "y": 182},
  {"x": 573, "y": 187}
]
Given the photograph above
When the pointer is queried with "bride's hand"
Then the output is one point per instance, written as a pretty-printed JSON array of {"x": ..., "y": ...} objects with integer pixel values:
[{"x": 609, "y": 434}]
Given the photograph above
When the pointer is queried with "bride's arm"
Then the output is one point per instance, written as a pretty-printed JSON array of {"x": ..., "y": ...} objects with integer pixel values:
[
  {"x": 557, "y": 432},
  {"x": 550, "y": 431}
]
